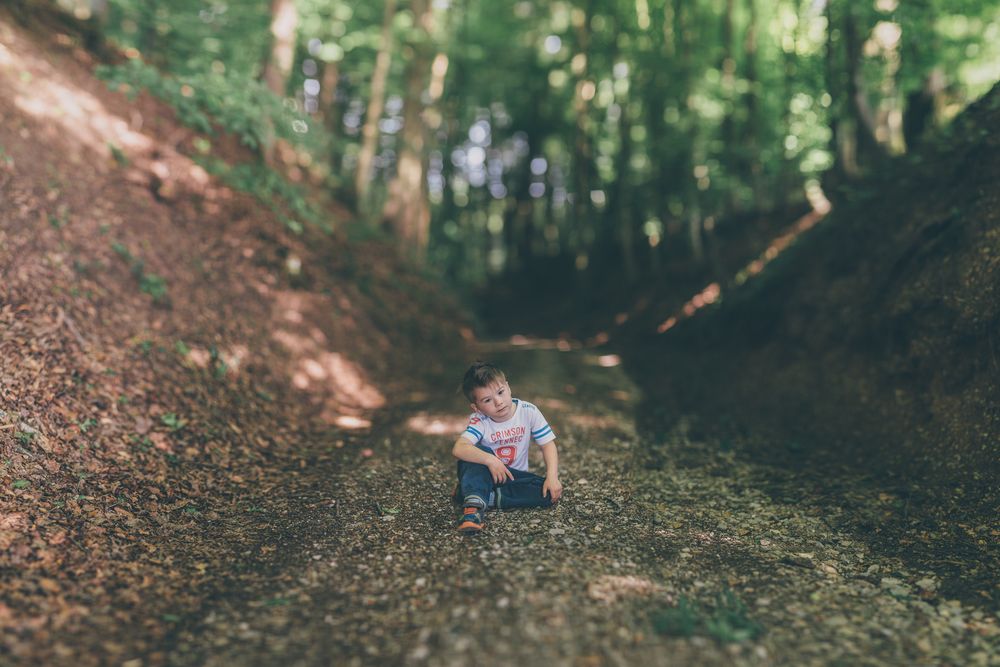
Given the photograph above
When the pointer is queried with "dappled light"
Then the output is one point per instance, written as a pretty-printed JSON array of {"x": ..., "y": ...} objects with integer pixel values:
[
  {"x": 430, "y": 424},
  {"x": 553, "y": 403},
  {"x": 713, "y": 292},
  {"x": 608, "y": 360},
  {"x": 535, "y": 343},
  {"x": 70, "y": 110},
  {"x": 594, "y": 421},
  {"x": 612, "y": 588},
  {"x": 323, "y": 373},
  {"x": 348, "y": 421}
]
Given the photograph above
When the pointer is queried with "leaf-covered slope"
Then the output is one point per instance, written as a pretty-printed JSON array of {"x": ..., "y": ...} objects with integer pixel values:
[
  {"x": 879, "y": 334},
  {"x": 167, "y": 347}
]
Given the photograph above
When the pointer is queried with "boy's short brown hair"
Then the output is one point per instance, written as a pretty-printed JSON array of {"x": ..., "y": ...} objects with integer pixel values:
[{"x": 480, "y": 374}]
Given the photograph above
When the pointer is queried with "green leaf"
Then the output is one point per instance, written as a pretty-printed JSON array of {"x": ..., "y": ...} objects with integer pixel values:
[{"x": 277, "y": 602}]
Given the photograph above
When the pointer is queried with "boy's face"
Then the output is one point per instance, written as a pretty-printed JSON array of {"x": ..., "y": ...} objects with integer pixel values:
[{"x": 494, "y": 401}]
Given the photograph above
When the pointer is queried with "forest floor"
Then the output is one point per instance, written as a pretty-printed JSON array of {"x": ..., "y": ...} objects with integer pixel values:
[{"x": 667, "y": 549}]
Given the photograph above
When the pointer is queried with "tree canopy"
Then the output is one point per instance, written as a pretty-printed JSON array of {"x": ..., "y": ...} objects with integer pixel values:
[{"x": 596, "y": 134}]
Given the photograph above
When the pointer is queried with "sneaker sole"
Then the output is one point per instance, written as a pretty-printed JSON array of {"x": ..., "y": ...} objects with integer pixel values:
[{"x": 470, "y": 528}]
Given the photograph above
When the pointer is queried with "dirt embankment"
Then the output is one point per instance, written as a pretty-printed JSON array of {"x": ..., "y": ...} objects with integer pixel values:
[
  {"x": 872, "y": 344},
  {"x": 165, "y": 346},
  {"x": 881, "y": 331}
]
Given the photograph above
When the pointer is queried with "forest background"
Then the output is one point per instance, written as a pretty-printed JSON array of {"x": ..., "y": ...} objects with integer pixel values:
[{"x": 583, "y": 140}]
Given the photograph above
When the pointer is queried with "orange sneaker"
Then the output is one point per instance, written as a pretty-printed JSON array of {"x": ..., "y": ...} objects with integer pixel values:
[{"x": 471, "y": 522}]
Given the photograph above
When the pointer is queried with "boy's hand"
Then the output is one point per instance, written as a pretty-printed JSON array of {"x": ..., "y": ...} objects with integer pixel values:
[
  {"x": 552, "y": 487},
  {"x": 499, "y": 471}
]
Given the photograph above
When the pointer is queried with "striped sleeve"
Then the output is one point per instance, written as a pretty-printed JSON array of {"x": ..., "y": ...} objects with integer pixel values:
[
  {"x": 541, "y": 432},
  {"x": 474, "y": 429}
]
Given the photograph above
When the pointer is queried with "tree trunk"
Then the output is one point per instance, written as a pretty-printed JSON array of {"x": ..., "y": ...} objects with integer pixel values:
[
  {"x": 582, "y": 153},
  {"x": 860, "y": 110},
  {"x": 920, "y": 108},
  {"x": 788, "y": 169},
  {"x": 730, "y": 154},
  {"x": 284, "y": 23},
  {"x": 621, "y": 216},
  {"x": 753, "y": 122},
  {"x": 407, "y": 211},
  {"x": 328, "y": 96},
  {"x": 376, "y": 102},
  {"x": 683, "y": 171},
  {"x": 330, "y": 110},
  {"x": 843, "y": 165}
]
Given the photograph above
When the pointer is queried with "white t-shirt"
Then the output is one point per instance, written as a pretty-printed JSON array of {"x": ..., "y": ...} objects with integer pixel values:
[{"x": 509, "y": 439}]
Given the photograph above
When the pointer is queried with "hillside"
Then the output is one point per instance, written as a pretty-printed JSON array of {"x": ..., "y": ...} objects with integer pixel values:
[
  {"x": 166, "y": 348},
  {"x": 870, "y": 347},
  {"x": 885, "y": 320}
]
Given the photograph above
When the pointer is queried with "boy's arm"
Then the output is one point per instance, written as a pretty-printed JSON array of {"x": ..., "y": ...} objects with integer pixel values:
[
  {"x": 466, "y": 451},
  {"x": 552, "y": 484}
]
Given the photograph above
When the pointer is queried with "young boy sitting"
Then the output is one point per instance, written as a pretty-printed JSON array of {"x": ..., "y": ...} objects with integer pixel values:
[{"x": 492, "y": 452}]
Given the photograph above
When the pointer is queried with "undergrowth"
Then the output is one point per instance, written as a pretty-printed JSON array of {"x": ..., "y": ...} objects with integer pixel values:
[
  {"x": 269, "y": 187},
  {"x": 243, "y": 107},
  {"x": 246, "y": 109},
  {"x": 726, "y": 619}
]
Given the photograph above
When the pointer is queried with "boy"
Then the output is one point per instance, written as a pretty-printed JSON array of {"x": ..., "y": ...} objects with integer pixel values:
[{"x": 492, "y": 452}]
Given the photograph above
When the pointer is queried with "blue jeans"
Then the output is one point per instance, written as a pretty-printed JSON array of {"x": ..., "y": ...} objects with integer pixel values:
[{"x": 477, "y": 487}]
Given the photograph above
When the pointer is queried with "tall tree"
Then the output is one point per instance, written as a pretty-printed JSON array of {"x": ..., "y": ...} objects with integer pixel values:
[
  {"x": 751, "y": 103},
  {"x": 284, "y": 24},
  {"x": 582, "y": 148},
  {"x": 376, "y": 103},
  {"x": 407, "y": 209},
  {"x": 860, "y": 112}
]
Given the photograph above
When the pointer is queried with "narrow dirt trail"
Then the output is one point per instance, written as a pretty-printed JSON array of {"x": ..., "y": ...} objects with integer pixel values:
[{"x": 376, "y": 574}]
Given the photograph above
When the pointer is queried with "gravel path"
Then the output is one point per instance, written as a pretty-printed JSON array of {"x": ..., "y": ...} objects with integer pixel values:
[{"x": 663, "y": 552}]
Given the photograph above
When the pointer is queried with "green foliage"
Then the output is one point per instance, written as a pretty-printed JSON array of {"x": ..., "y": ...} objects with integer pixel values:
[
  {"x": 149, "y": 283},
  {"x": 172, "y": 421},
  {"x": 242, "y": 107},
  {"x": 153, "y": 285},
  {"x": 24, "y": 438},
  {"x": 694, "y": 112},
  {"x": 679, "y": 621},
  {"x": 727, "y": 620},
  {"x": 119, "y": 156},
  {"x": 189, "y": 36},
  {"x": 58, "y": 220},
  {"x": 270, "y": 189},
  {"x": 219, "y": 366}
]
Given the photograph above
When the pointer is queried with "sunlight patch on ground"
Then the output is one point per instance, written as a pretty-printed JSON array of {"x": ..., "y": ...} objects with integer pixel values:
[
  {"x": 708, "y": 537},
  {"x": 532, "y": 343},
  {"x": 605, "y": 360},
  {"x": 231, "y": 359},
  {"x": 611, "y": 588},
  {"x": 554, "y": 403},
  {"x": 594, "y": 421},
  {"x": 67, "y": 109},
  {"x": 350, "y": 422},
  {"x": 435, "y": 424},
  {"x": 323, "y": 372}
]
